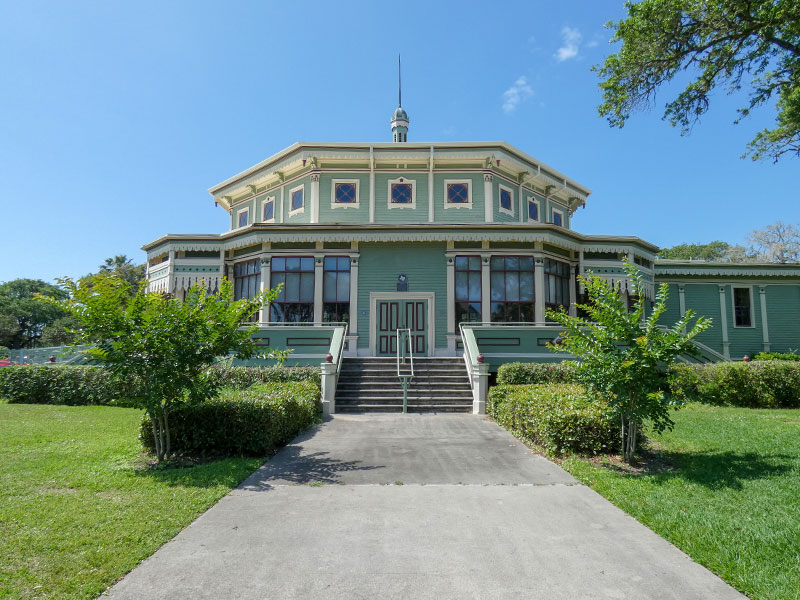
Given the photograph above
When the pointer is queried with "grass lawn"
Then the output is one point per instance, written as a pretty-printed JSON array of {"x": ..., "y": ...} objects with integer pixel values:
[
  {"x": 724, "y": 487},
  {"x": 78, "y": 509}
]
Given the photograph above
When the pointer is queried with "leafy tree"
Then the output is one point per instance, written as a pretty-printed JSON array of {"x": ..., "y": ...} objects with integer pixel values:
[
  {"x": 730, "y": 43},
  {"x": 716, "y": 251},
  {"x": 624, "y": 354},
  {"x": 60, "y": 332},
  {"x": 163, "y": 345},
  {"x": 4, "y": 353},
  {"x": 779, "y": 243},
  {"x": 22, "y": 318},
  {"x": 119, "y": 266}
]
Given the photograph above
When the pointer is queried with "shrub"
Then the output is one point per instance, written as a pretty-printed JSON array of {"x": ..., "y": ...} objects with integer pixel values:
[
  {"x": 758, "y": 384},
  {"x": 791, "y": 356},
  {"x": 558, "y": 417},
  {"x": 60, "y": 384},
  {"x": 252, "y": 422},
  {"x": 244, "y": 377},
  {"x": 4, "y": 352},
  {"x": 518, "y": 373}
]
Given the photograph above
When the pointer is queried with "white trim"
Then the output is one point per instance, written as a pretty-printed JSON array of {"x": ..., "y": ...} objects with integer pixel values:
[
  {"x": 354, "y": 182},
  {"x": 239, "y": 218},
  {"x": 762, "y": 289},
  {"x": 749, "y": 289},
  {"x": 401, "y": 296},
  {"x": 726, "y": 345},
  {"x": 501, "y": 189},
  {"x": 533, "y": 200},
  {"x": 468, "y": 183},
  {"x": 302, "y": 209},
  {"x": 553, "y": 212},
  {"x": 403, "y": 180},
  {"x": 264, "y": 202}
]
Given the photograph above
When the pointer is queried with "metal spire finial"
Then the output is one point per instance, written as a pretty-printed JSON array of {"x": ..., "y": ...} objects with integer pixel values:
[{"x": 399, "y": 84}]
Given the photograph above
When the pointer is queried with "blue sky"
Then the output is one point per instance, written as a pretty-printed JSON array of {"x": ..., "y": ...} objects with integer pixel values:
[{"x": 115, "y": 118}]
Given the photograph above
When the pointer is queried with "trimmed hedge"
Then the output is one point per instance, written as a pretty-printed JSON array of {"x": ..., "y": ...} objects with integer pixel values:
[
  {"x": 243, "y": 377},
  {"x": 518, "y": 373},
  {"x": 757, "y": 384},
  {"x": 558, "y": 417},
  {"x": 251, "y": 422},
  {"x": 777, "y": 356},
  {"x": 85, "y": 385},
  {"x": 60, "y": 384}
]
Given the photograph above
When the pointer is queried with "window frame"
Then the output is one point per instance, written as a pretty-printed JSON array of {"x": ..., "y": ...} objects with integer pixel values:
[
  {"x": 273, "y": 271},
  {"x": 238, "y": 283},
  {"x": 302, "y": 209},
  {"x": 355, "y": 183},
  {"x": 239, "y": 213},
  {"x": 448, "y": 204},
  {"x": 468, "y": 270},
  {"x": 264, "y": 203},
  {"x": 531, "y": 304},
  {"x": 560, "y": 213},
  {"x": 337, "y": 270},
  {"x": 564, "y": 283},
  {"x": 749, "y": 289},
  {"x": 535, "y": 201},
  {"x": 506, "y": 211},
  {"x": 405, "y": 181}
]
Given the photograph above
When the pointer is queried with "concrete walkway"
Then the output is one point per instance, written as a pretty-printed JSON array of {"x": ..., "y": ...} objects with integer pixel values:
[{"x": 416, "y": 506}]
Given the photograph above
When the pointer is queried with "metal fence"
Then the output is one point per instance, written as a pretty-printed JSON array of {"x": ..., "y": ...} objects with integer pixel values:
[{"x": 63, "y": 355}]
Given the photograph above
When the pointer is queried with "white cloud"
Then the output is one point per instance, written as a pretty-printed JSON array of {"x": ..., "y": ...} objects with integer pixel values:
[
  {"x": 516, "y": 94},
  {"x": 571, "y": 38}
]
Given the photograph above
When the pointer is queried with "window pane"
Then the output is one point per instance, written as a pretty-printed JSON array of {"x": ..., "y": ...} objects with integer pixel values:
[
  {"x": 329, "y": 286},
  {"x": 512, "y": 263},
  {"x": 293, "y": 264},
  {"x": 292, "y": 287},
  {"x": 297, "y": 199},
  {"x": 557, "y": 218},
  {"x": 343, "y": 287},
  {"x": 498, "y": 286},
  {"x": 526, "y": 286},
  {"x": 307, "y": 287},
  {"x": 307, "y": 264},
  {"x": 343, "y": 263},
  {"x": 462, "y": 285},
  {"x": 457, "y": 193},
  {"x": 533, "y": 212},
  {"x": 526, "y": 263},
  {"x": 278, "y": 264},
  {"x": 345, "y": 193},
  {"x": 269, "y": 210},
  {"x": 505, "y": 199},
  {"x": 462, "y": 263},
  {"x": 498, "y": 263},
  {"x": 475, "y": 286},
  {"x": 330, "y": 263},
  {"x": 475, "y": 263},
  {"x": 243, "y": 218},
  {"x": 512, "y": 286}
]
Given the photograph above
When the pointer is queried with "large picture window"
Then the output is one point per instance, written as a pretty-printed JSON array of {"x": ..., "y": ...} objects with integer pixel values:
[
  {"x": 512, "y": 288},
  {"x": 556, "y": 284},
  {"x": 336, "y": 289},
  {"x": 468, "y": 288},
  {"x": 295, "y": 304}
]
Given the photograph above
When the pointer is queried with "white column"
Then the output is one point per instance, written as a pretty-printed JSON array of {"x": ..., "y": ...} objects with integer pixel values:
[
  {"x": 488, "y": 199},
  {"x": 266, "y": 274},
  {"x": 328, "y": 377},
  {"x": 480, "y": 389},
  {"x": 280, "y": 218},
  {"x": 572, "y": 299},
  {"x": 430, "y": 190},
  {"x": 682, "y": 301},
  {"x": 486, "y": 288},
  {"x": 319, "y": 264},
  {"x": 315, "y": 197},
  {"x": 371, "y": 185},
  {"x": 451, "y": 296},
  {"x": 726, "y": 346},
  {"x": 353, "y": 329},
  {"x": 764, "y": 326},
  {"x": 521, "y": 213},
  {"x": 538, "y": 290}
]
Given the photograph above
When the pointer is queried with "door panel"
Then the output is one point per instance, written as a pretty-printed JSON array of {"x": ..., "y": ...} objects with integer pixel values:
[{"x": 401, "y": 314}]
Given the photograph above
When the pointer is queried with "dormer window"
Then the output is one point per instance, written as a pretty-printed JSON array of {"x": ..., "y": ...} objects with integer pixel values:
[
  {"x": 344, "y": 193},
  {"x": 533, "y": 209},
  {"x": 457, "y": 194},
  {"x": 269, "y": 210},
  {"x": 402, "y": 193},
  {"x": 506, "y": 201},
  {"x": 243, "y": 217},
  {"x": 296, "y": 201}
]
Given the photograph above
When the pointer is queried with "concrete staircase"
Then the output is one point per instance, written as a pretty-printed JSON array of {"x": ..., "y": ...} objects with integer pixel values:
[{"x": 372, "y": 385}]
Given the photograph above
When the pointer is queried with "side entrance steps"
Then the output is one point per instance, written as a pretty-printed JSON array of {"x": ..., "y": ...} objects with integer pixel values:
[{"x": 372, "y": 385}]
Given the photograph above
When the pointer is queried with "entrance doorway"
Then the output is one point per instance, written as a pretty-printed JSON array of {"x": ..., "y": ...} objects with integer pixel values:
[{"x": 394, "y": 314}]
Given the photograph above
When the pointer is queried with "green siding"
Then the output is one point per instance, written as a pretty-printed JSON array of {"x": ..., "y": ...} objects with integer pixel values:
[
  {"x": 383, "y": 214},
  {"x": 703, "y": 299},
  {"x": 328, "y": 214},
  {"x": 673, "y": 312},
  {"x": 744, "y": 340},
  {"x": 783, "y": 317},
  {"x": 378, "y": 268}
]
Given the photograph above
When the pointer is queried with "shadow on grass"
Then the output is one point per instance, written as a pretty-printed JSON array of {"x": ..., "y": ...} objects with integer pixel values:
[
  {"x": 227, "y": 472},
  {"x": 292, "y": 467},
  {"x": 710, "y": 469}
]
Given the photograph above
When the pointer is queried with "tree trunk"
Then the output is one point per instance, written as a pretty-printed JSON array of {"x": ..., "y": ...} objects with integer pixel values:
[
  {"x": 168, "y": 440},
  {"x": 156, "y": 436}
]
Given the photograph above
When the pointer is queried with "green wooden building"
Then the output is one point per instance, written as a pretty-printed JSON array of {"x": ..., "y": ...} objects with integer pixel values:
[{"x": 465, "y": 244}]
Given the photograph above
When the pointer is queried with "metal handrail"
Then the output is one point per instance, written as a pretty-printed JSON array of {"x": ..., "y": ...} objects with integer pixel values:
[
  {"x": 341, "y": 349},
  {"x": 401, "y": 350}
]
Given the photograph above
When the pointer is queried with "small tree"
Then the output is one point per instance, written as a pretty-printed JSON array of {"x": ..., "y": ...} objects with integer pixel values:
[
  {"x": 623, "y": 354},
  {"x": 163, "y": 346}
]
